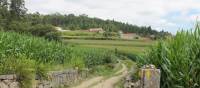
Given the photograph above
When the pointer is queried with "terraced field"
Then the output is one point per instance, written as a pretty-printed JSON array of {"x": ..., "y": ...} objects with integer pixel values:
[{"x": 134, "y": 46}]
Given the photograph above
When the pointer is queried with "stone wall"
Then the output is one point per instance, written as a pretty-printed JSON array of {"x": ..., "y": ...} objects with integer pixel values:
[
  {"x": 62, "y": 79},
  {"x": 8, "y": 81},
  {"x": 56, "y": 79}
]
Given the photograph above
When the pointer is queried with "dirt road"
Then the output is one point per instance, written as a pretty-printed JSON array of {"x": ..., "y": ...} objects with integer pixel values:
[
  {"x": 110, "y": 82},
  {"x": 101, "y": 82}
]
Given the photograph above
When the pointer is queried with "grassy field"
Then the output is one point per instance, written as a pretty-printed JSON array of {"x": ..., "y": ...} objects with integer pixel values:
[{"x": 134, "y": 46}]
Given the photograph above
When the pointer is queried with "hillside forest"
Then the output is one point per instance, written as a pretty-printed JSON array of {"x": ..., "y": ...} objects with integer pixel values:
[{"x": 14, "y": 17}]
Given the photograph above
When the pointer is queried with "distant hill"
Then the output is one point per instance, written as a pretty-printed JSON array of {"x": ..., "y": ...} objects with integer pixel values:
[{"x": 83, "y": 22}]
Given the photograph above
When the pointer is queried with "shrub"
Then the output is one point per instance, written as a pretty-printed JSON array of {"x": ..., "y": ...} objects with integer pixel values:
[
  {"x": 47, "y": 31},
  {"x": 18, "y": 26},
  {"x": 178, "y": 58},
  {"x": 53, "y": 36}
]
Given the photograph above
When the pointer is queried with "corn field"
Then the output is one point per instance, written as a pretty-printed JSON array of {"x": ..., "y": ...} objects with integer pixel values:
[
  {"x": 178, "y": 58},
  {"x": 26, "y": 55}
]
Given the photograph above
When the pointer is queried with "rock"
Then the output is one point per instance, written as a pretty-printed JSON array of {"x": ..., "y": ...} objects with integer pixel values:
[
  {"x": 14, "y": 85},
  {"x": 8, "y": 77},
  {"x": 3, "y": 85}
]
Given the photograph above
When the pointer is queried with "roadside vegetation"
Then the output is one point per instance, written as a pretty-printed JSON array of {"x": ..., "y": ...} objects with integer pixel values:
[
  {"x": 26, "y": 55},
  {"x": 178, "y": 59}
]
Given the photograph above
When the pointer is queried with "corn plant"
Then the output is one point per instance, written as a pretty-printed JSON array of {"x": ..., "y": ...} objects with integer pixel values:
[
  {"x": 51, "y": 52},
  {"x": 27, "y": 56},
  {"x": 178, "y": 58}
]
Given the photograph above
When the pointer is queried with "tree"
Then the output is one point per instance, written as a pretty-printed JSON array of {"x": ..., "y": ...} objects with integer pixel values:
[
  {"x": 3, "y": 8},
  {"x": 17, "y": 9},
  {"x": 4, "y": 13}
]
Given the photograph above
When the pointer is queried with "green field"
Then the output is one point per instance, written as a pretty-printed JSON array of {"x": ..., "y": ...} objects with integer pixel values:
[{"x": 134, "y": 46}]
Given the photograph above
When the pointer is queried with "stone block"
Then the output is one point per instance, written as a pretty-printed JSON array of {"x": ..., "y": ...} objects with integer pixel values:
[
  {"x": 8, "y": 77},
  {"x": 150, "y": 78},
  {"x": 14, "y": 85},
  {"x": 3, "y": 85}
]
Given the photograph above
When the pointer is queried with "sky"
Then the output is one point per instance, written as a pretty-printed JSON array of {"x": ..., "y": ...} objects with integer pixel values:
[{"x": 167, "y": 15}]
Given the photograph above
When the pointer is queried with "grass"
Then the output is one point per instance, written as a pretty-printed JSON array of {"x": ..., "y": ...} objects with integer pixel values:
[
  {"x": 133, "y": 47},
  {"x": 79, "y": 33}
]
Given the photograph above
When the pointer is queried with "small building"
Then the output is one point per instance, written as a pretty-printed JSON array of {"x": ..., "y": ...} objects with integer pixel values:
[{"x": 97, "y": 30}]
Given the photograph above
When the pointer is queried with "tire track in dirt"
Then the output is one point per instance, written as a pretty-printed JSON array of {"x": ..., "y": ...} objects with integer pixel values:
[{"x": 110, "y": 82}]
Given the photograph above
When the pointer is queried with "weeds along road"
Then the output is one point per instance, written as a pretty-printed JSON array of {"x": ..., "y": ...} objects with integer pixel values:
[{"x": 101, "y": 82}]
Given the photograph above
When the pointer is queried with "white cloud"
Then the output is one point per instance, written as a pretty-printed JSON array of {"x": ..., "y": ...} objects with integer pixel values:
[{"x": 140, "y": 12}]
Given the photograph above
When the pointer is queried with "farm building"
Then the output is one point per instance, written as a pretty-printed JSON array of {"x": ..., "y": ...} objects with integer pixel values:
[{"x": 99, "y": 30}]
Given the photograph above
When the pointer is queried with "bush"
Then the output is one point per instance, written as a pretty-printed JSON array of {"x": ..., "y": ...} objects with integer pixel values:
[
  {"x": 47, "y": 31},
  {"x": 18, "y": 26},
  {"x": 178, "y": 58},
  {"x": 53, "y": 36}
]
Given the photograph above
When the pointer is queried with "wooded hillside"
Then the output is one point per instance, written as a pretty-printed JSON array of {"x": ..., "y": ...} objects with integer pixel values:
[{"x": 83, "y": 22}]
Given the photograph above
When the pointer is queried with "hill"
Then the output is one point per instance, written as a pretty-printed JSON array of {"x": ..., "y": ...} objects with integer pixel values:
[{"x": 83, "y": 22}]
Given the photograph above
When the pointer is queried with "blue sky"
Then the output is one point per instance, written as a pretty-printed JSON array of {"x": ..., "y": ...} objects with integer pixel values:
[{"x": 168, "y": 15}]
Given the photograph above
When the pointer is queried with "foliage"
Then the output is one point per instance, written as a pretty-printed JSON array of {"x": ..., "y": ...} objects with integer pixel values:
[
  {"x": 13, "y": 18},
  {"x": 102, "y": 70},
  {"x": 178, "y": 59},
  {"x": 44, "y": 51},
  {"x": 13, "y": 14},
  {"x": 17, "y": 26},
  {"x": 17, "y": 9},
  {"x": 47, "y": 31},
  {"x": 28, "y": 56},
  {"x": 41, "y": 30},
  {"x": 79, "y": 33},
  {"x": 96, "y": 58},
  {"x": 110, "y": 34},
  {"x": 21, "y": 66},
  {"x": 32, "y": 47},
  {"x": 83, "y": 22},
  {"x": 127, "y": 48}
]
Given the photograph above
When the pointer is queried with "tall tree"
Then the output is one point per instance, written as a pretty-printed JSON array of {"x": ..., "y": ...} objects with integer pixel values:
[
  {"x": 17, "y": 9},
  {"x": 4, "y": 13},
  {"x": 3, "y": 8}
]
